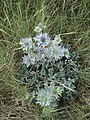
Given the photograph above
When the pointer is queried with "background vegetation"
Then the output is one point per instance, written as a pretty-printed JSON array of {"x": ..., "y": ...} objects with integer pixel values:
[{"x": 70, "y": 18}]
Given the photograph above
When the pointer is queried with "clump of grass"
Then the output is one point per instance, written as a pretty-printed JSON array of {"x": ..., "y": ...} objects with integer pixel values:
[{"x": 70, "y": 19}]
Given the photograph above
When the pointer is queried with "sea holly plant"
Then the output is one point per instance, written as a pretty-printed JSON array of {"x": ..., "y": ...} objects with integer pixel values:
[{"x": 48, "y": 67}]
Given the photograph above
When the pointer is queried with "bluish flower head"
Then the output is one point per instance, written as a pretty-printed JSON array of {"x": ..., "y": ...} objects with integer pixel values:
[
  {"x": 57, "y": 39},
  {"x": 29, "y": 59},
  {"x": 41, "y": 25},
  {"x": 26, "y": 43},
  {"x": 39, "y": 28},
  {"x": 56, "y": 91},
  {"x": 56, "y": 51},
  {"x": 47, "y": 95},
  {"x": 42, "y": 39},
  {"x": 44, "y": 97}
]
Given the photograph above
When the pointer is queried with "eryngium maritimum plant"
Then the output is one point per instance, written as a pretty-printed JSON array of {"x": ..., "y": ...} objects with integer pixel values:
[{"x": 48, "y": 66}]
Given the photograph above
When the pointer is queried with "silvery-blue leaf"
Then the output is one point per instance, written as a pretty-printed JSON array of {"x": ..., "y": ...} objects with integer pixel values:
[
  {"x": 26, "y": 60},
  {"x": 65, "y": 52}
]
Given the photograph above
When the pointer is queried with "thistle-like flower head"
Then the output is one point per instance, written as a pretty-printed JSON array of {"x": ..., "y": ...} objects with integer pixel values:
[
  {"x": 26, "y": 43},
  {"x": 39, "y": 28},
  {"x": 57, "y": 39},
  {"x": 42, "y": 39},
  {"x": 28, "y": 59},
  {"x": 44, "y": 97}
]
